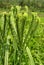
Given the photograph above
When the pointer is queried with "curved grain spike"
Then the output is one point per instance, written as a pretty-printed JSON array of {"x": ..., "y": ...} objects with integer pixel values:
[
  {"x": 6, "y": 39},
  {"x": 15, "y": 41},
  {"x": 33, "y": 30},
  {"x": 30, "y": 27},
  {"x": 4, "y": 25},
  {"x": 17, "y": 29},
  {"x": 23, "y": 26},
  {"x": 31, "y": 34},
  {"x": 12, "y": 30}
]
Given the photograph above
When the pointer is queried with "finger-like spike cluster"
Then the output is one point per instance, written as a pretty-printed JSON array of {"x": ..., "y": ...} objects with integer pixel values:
[{"x": 18, "y": 30}]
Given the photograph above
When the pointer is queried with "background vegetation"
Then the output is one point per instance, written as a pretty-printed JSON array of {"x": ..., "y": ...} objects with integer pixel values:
[{"x": 34, "y": 5}]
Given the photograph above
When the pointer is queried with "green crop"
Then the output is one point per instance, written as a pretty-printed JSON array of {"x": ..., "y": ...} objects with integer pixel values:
[{"x": 21, "y": 38}]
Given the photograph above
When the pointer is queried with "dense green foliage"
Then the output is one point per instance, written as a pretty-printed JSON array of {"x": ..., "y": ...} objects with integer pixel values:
[{"x": 21, "y": 38}]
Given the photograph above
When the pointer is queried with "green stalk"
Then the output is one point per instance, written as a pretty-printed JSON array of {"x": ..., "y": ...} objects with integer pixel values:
[
  {"x": 30, "y": 56},
  {"x": 6, "y": 57},
  {"x": 6, "y": 53}
]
